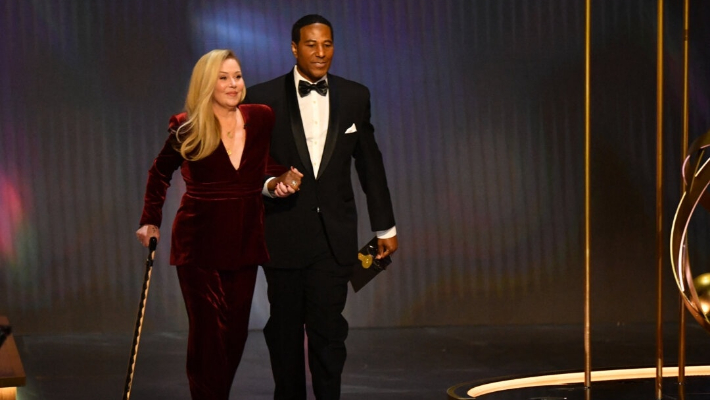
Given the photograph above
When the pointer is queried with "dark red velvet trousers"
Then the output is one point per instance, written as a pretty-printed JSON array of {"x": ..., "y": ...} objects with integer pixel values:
[{"x": 218, "y": 303}]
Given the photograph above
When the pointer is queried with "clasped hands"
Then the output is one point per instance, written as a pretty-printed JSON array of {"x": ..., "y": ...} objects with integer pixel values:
[{"x": 286, "y": 184}]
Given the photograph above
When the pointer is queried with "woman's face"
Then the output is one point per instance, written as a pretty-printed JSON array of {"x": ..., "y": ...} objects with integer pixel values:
[{"x": 229, "y": 86}]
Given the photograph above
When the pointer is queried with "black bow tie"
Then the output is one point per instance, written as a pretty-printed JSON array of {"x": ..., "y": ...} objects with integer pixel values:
[{"x": 304, "y": 88}]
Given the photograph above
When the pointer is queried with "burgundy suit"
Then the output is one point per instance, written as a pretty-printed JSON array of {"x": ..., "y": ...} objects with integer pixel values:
[{"x": 217, "y": 244}]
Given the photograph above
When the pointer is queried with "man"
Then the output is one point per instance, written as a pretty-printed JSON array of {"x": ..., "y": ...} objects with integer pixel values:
[{"x": 322, "y": 123}]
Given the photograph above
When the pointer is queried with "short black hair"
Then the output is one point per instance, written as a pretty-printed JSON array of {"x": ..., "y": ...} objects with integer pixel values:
[{"x": 305, "y": 21}]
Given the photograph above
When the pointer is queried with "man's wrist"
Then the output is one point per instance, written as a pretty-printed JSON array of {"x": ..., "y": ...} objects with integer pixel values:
[{"x": 269, "y": 192}]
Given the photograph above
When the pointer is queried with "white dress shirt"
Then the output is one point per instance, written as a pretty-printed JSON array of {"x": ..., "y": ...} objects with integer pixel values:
[{"x": 315, "y": 113}]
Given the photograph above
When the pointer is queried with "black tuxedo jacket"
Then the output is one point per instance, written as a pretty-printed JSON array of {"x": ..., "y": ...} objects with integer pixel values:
[{"x": 292, "y": 222}]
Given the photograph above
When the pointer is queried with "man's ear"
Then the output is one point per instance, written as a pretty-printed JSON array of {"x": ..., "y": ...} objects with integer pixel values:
[{"x": 294, "y": 49}]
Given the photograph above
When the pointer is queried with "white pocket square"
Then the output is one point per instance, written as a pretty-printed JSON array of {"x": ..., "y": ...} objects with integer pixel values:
[{"x": 351, "y": 129}]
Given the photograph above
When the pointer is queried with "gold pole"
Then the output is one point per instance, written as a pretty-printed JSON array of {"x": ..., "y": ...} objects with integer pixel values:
[
  {"x": 683, "y": 149},
  {"x": 587, "y": 268},
  {"x": 659, "y": 202}
]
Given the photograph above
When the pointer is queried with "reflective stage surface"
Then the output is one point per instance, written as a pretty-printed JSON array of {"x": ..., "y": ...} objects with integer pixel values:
[
  {"x": 694, "y": 388},
  {"x": 416, "y": 363}
]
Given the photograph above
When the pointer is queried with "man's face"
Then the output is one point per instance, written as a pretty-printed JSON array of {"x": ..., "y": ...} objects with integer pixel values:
[{"x": 314, "y": 51}]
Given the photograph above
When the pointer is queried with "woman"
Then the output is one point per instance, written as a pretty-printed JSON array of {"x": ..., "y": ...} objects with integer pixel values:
[{"x": 222, "y": 150}]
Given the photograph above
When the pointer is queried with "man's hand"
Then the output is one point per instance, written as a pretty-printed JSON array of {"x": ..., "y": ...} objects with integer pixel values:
[{"x": 386, "y": 247}]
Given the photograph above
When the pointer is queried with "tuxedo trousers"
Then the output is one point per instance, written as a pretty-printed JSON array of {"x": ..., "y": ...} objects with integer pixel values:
[
  {"x": 312, "y": 297},
  {"x": 218, "y": 303}
]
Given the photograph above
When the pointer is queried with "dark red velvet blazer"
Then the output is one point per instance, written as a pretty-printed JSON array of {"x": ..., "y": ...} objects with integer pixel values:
[{"x": 220, "y": 222}]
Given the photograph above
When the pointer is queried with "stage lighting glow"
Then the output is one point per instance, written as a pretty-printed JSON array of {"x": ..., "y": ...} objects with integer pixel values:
[
  {"x": 11, "y": 216},
  {"x": 230, "y": 26}
]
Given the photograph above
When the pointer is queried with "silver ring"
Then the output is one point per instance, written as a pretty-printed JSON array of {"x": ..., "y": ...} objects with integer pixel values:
[{"x": 293, "y": 183}]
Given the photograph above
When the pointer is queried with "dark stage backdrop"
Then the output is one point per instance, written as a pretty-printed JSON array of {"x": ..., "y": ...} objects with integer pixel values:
[{"x": 478, "y": 106}]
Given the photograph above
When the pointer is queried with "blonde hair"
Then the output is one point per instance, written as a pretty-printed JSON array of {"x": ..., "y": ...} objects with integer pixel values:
[{"x": 202, "y": 128}]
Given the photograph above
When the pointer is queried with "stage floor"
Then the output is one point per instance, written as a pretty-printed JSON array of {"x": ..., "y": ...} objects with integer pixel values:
[{"x": 402, "y": 363}]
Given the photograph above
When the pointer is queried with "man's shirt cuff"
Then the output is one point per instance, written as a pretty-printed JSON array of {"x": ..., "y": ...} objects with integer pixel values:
[
  {"x": 391, "y": 232},
  {"x": 265, "y": 191}
]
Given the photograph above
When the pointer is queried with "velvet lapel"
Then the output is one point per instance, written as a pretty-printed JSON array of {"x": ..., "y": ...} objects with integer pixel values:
[
  {"x": 299, "y": 135},
  {"x": 332, "y": 136}
]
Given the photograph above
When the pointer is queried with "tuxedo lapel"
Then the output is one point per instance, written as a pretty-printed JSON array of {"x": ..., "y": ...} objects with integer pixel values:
[
  {"x": 299, "y": 135},
  {"x": 332, "y": 135}
]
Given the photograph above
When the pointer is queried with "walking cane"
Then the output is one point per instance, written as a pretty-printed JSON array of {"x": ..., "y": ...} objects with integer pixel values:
[{"x": 139, "y": 318}]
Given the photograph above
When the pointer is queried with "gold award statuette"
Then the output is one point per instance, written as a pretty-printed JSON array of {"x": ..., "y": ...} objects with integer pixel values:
[{"x": 365, "y": 260}]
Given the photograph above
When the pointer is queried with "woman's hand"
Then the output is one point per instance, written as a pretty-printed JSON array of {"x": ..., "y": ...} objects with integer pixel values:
[
  {"x": 146, "y": 232},
  {"x": 286, "y": 184}
]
